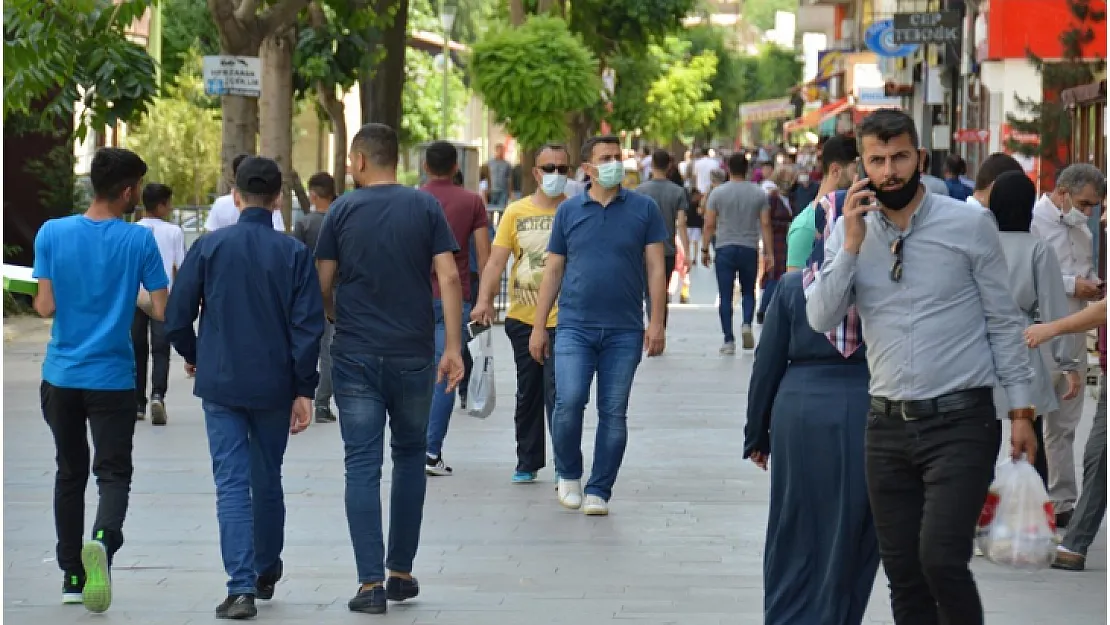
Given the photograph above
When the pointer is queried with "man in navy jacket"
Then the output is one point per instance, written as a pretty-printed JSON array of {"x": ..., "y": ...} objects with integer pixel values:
[{"x": 255, "y": 365}]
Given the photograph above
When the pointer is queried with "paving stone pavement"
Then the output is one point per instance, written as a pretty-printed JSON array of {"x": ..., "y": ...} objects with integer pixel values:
[{"x": 682, "y": 546}]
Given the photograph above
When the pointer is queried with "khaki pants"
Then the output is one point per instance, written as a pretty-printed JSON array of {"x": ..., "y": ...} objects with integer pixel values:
[{"x": 1059, "y": 438}]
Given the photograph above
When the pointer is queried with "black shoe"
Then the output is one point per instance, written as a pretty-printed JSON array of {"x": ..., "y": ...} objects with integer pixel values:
[
  {"x": 369, "y": 600},
  {"x": 237, "y": 607},
  {"x": 266, "y": 583},
  {"x": 324, "y": 415},
  {"x": 400, "y": 589},
  {"x": 1062, "y": 520},
  {"x": 72, "y": 588},
  {"x": 436, "y": 467},
  {"x": 759, "y": 317},
  {"x": 462, "y": 402},
  {"x": 140, "y": 415}
]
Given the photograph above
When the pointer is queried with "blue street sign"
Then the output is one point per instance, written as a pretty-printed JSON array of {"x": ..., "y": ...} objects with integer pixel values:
[
  {"x": 879, "y": 38},
  {"x": 214, "y": 86}
]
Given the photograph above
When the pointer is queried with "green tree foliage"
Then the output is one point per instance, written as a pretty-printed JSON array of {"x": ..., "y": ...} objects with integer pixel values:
[
  {"x": 186, "y": 25},
  {"x": 678, "y": 101},
  {"x": 533, "y": 76},
  {"x": 179, "y": 137},
  {"x": 71, "y": 51},
  {"x": 728, "y": 82},
  {"x": 761, "y": 13},
  {"x": 1049, "y": 118},
  {"x": 422, "y": 99},
  {"x": 626, "y": 26},
  {"x": 777, "y": 69}
]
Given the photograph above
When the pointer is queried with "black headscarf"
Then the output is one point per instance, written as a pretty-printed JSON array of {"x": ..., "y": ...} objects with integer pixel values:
[{"x": 1012, "y": 200}]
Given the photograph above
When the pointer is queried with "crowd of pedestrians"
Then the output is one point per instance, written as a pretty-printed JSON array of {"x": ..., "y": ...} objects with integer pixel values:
[{"x": 902, "y": 328}]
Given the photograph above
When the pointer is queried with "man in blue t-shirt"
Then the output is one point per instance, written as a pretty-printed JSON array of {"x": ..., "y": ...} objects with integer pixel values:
[
  {"x": 377, "y": 249},
  {"x": 601, "y": 240},
  {"x": 89, "y": 269}
]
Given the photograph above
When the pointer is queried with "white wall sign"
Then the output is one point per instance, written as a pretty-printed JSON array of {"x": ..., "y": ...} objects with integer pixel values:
[{"x": 233, "y": 75}]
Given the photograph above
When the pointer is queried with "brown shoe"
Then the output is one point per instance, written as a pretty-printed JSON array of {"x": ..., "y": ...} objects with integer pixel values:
[{"x": 1069, "y": 561}]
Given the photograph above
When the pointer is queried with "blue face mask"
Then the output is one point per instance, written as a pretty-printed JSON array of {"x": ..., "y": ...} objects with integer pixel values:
[
  {"x": 610, "y": 174},
  {"x": 553, "y": 184}
]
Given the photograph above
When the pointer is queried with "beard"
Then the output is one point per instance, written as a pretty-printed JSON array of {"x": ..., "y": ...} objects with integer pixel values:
[{"x": 899, "y": 198}]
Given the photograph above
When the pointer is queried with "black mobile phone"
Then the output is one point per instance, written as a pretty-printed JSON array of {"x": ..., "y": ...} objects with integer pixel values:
[{"x": 474, "y": 329}]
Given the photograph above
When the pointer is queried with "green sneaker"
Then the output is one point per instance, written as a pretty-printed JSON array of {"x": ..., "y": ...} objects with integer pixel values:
[{"x": 97, "y": 593}]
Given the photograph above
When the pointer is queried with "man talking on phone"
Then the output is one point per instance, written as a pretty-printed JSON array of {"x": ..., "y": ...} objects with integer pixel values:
[
  {"x": 1060, "y": 218},
  {"x": 928, "y": 279}
]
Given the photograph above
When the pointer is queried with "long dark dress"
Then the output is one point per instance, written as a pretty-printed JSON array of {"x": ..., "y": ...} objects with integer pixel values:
[{"x": 807, "y": 406}]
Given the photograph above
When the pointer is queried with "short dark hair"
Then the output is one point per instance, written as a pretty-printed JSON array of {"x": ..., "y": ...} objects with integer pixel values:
[
  {"x": 994, "y": 166},
  {"x": 155, "y": 195},
  {"x": 886, "y": 124},
  {"x": 839, "y": 149},
  {"x": 738, "y": 164},
  {"x": 322, "y": 184},
  {"x": 661, "y": 160},
  {"x": 441, "y": 157},
  {"x": 236, "y": 162},
  {"x": 588, "y": 146},
  {"x": 558, "y": 147},
  {"x": 1012, "y": 202},
  {"x": 955, "y": 165},
  {"x": 378, "y": 143},
  {"x": 113, "y": 170}
]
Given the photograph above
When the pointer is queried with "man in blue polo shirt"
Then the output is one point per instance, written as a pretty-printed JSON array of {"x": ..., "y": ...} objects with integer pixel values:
[{"x": 600, "y": 242}]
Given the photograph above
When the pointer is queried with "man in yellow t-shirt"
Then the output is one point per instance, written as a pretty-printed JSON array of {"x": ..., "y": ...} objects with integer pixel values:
[{"x": 523, "y": 232}]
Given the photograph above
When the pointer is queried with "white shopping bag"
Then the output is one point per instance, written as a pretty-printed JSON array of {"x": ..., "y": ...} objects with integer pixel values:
[
  {"x": 481, "y": 396},
  {"x": 1017, "y": 526}
]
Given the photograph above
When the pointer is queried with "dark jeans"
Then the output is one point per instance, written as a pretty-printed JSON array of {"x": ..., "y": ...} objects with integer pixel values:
[
  {"x": 927, "y": 480},
  {"x": 668, "y": 269},
  {"x": 247, "y": 449},
  {"x": 768, "y": 293},
  {"x": 369, "y": 392},
  {"x": 733, "y": 261},
  {"x": 111, "y": 419},
  {"x": 443, "y": 403},
  {"x": 149, "y": 337},
  {"x": 614, "y": 356},
  {"x": 535, "y": 395},
  {"x": 468, "y": 359}
]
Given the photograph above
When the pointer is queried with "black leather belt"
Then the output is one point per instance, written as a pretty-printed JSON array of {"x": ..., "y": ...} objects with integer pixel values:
[{"x": 912, "y": 410}]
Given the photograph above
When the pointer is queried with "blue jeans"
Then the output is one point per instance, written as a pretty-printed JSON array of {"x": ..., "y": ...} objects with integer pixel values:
[
  {"x": 442, "y": 402},
  {"x": 580, "y": 353},
  {"x": 247, "y": 448},
  {"x": 367, "y": 388},
  {"x": 732, "y": 261},
  {"x": 768, "y": 293}
]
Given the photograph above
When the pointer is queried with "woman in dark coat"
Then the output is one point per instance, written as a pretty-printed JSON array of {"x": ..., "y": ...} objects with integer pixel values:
[
  {"x": 781, "y": 218},
  {"x": 807, "y": 414}
]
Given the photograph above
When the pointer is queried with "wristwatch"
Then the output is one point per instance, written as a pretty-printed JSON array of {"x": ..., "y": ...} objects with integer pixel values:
[{"x": 1028, "y": 412}]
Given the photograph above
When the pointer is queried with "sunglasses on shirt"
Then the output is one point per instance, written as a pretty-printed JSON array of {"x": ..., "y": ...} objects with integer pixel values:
[
  {"x": 550, "y": 169},
  {"x": 896, "y": 268}
]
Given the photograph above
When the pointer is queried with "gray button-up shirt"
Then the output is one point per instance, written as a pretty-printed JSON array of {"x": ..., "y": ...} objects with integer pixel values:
[{"x": 950, "y": 324}]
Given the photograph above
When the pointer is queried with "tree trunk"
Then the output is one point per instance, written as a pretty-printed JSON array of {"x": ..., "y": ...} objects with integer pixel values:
[
  {"x": 527, "y": 164},
  {"x": 579, "y": 126},
  {"x": 277, "y": 110},
  {"x": 516, "y": 12},
  {"x": 338, "y": 116},
  {"x": 240, "y": 133},
  {"x": 381, "y": 86}
]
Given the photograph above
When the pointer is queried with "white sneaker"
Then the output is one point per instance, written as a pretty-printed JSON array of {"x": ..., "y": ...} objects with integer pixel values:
[
  {"x": 728, "y": 349},
  {"x": 570, "y": 493},
  {"x": 595, "y": 506},
  {"x": 747, "y": 337}
]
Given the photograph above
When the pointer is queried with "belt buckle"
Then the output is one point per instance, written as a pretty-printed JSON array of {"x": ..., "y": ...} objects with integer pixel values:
[{"x": 902, "y": 412}]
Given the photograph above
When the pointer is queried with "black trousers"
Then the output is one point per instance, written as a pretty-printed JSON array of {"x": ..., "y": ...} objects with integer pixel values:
[
  {"x": 468, "y": 359},
  {"x": 535, "y": 395},
  {"x": 927, "y": 480},
  {"x": 111, "y": 419},
  {"x": 149, "y": 338}
]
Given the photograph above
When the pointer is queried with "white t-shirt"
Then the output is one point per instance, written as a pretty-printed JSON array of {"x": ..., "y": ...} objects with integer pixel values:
[
  {"x": 225, "y": 213},
  {"x": 171, "y": 242},
  {"x": 703, "y": 168}
]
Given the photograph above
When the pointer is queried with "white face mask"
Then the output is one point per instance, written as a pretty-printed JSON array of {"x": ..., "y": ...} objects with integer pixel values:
[
  {"x": 553, "y": 184},
  {"x": 803, "y": 178},
  {"x": 1074, "y": 217}
]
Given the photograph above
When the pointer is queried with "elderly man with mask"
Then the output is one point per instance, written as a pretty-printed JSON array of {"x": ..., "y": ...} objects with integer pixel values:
[{"x": 1060, "y": 218}]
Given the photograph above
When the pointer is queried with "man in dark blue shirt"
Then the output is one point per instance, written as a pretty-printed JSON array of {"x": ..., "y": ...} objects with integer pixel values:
[
  {"x": 89, "y": 269},
  {"x": 600, "y": 242},
  {"x": 377, "y": 249},
  {"x": 255, "y": 365}
]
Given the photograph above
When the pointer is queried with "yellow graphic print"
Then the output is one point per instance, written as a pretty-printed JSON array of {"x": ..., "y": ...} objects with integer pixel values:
[{"x": 532, "y": 234}]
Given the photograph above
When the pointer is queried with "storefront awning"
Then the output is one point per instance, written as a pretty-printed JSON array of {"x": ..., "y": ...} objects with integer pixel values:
[
  {"x": 766, "y": 110},
  {"x": 814, "y": 118}
]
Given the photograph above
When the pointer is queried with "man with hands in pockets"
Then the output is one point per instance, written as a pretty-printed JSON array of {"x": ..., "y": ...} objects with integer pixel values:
[
  {"x": 600, "y": 242},
  {"x": 928, "y": 278}
]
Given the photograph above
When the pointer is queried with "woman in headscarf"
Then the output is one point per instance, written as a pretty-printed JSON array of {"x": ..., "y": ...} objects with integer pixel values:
[
  {"x": 1037, "y": 284},
  {"x": 781, "y": 218},
  {"x": 807, "y": 414}
]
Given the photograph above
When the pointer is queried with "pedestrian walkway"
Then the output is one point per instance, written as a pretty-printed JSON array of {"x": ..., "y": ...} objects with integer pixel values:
[{"x": 682, "y": 545}]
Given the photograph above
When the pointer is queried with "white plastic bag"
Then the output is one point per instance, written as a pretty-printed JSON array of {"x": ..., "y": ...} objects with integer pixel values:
[
  {"x": 481, "y": 395},
  {"x": 1017, "y": 526}
]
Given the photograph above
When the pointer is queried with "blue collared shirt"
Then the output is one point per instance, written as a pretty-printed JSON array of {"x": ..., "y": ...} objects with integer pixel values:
[
  {"x": 603, "y": 281},
  {"x": 262, "y": 315}
]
